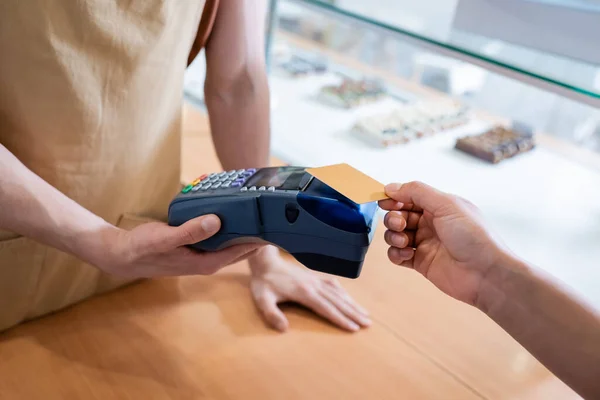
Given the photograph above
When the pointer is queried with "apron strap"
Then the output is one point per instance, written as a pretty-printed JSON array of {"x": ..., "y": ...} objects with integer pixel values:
[{"x": 207, "y": 22}]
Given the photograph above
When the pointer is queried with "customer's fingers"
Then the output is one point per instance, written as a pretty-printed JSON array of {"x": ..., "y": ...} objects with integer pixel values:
[
  {"x": 395, "y": 221},
  {"x": 390, "y": 205},
  {"x": 417, "y": 194},
  {"x": 396, "y": 239},
  {"x": 402, "y": 257},
  {"x": 400, "y": 220},
  {"x": 400, "y": 239}
]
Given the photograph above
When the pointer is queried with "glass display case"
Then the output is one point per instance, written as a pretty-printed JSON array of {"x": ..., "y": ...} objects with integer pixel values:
[
  {"x": 419, "y": 42},
  {"x": 406, "y": 90},
  {"x": 558, "y": 55},
  {"x": 395, "y": 89}
]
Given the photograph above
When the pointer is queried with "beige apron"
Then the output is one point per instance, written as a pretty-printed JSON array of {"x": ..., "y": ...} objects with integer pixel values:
[{"x": 90, "y": 100}]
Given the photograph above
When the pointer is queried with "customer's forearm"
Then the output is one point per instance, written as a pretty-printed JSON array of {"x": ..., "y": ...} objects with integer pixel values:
[
  {"x": 560, "y": 331},
  {"x": 239, "y": 119},
  {"x": 31, "y": 207}
]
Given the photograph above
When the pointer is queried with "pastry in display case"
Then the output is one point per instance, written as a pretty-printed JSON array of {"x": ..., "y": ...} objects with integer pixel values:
[
  {"x": 497, "y": 144},
  {"x": 297, "y": 66},
  {"x": 411, "y": 122},
  {"x": 351, "y": 93}
]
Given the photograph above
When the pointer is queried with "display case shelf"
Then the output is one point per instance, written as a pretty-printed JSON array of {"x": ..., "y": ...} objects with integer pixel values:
[{"x": 433, "y": 28}]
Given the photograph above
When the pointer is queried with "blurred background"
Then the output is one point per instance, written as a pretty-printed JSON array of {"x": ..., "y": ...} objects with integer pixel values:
[
  {"x": 529, "y": 66},
  {"x": 517, "y": 99}
]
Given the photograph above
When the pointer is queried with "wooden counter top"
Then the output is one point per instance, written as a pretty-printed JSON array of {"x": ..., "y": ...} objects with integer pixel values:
[{"x": 201, "y": 338}]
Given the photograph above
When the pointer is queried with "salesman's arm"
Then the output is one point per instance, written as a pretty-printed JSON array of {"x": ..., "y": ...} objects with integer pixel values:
[
  {"x": 237, "y": 99},
  {"x": 31, "y": 207},
  {"x": 236, "y": 88},
  {"x": 444, "y": 238}
]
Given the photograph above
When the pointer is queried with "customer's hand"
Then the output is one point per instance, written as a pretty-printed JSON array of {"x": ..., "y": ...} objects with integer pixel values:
[
  {"x": 275, "y": 280},
  {"x": 441, "y": 236},
  {"x": 157, "y": 249}
]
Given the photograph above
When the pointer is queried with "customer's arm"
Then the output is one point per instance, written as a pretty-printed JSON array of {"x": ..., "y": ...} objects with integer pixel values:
[
  {"x": 31, "y": 207},
  {"x": 561, "y": 331},
  {"x": 444, "y": 238}
]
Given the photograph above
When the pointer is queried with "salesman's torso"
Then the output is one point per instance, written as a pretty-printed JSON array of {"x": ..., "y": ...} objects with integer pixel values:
[{"x": 90, "y": 100}]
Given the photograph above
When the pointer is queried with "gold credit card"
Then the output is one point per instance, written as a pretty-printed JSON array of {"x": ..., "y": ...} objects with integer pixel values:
[{"x": 355, "y": 185}]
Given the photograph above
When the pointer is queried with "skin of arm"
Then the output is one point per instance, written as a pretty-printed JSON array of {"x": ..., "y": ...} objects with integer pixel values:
[
  {"x": 150, "y": 250},
  {"x": 56, "y": 221},
  {"x": 237, "y": 99},
  {"x": 237, "y": 92},
  {"x": 557, "y": 328},
  {"x": 236, "y": 88},
  {"x": 445, "y": 238}
]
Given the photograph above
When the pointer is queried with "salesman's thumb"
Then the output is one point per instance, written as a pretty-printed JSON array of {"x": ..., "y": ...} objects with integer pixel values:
[{"x": 194, "y": 230}]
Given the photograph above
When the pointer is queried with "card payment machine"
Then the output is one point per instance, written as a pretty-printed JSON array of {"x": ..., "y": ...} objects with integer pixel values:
[{"x": 284, "y": 206}]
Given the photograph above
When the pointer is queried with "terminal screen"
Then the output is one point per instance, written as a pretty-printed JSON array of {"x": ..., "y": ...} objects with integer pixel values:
[{"x": 286, "y": 178}]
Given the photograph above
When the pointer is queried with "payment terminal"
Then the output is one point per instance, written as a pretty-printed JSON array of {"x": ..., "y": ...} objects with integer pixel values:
[{"x": 283, "y": 206}]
